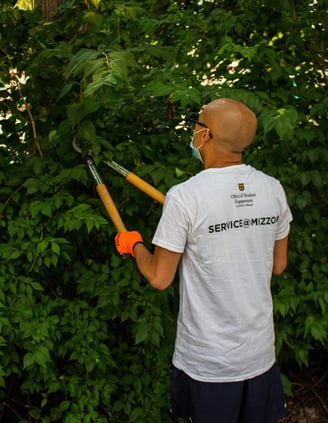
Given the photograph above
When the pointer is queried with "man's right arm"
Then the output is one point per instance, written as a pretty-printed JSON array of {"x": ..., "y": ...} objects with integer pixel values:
[{"x": 158, "y": 268}]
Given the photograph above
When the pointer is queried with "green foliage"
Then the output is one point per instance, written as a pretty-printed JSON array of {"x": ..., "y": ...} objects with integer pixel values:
[{"x": 83, "y": 337}]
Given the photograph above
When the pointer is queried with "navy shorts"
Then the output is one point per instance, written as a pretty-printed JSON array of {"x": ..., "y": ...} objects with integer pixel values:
[{"x": 257, "y": 400}]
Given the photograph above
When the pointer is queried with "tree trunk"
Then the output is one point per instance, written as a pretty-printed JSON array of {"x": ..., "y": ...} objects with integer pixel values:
[{"x": 48, "y": 7}]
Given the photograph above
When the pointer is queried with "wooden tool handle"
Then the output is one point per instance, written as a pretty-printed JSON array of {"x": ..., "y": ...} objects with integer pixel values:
[
  {"x": 110, "y": 207},
  {"x": 145, "y": 187}
]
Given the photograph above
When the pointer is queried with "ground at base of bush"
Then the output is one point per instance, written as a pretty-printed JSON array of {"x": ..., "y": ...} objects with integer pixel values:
[{"x": 309, "y": 403}]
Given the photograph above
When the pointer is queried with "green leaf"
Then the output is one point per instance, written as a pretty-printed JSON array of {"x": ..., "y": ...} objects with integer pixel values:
[
  {"x": 96, "y": 3},
  {"x": 32, "y": 185},
  {"x": 79, "y": 61},
  {"x": 55, "y": 248},
  {"x": 186, "y": 96},
  {"x": 64, "y": 405},
  {"x": 159, "y": 88},
  {"x": 35, "y": 413},
  {"x": 158, "y": 175},
  {"x": 28, "y": 360},
  {"x": 43, "y": 245},
  {"x": 76, "y": 112},
  {"x": 46, "y": 209},
  {"x": 37, "y": 286},
  {"x": 287, "y": 385},
  {"x": 86, "y": 131},
  {"x": 90, "y": 225},
  {"x": 142, "y": 332}
]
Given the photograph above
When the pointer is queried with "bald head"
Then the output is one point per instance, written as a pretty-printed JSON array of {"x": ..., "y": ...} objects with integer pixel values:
[{"x": 232, "y": 124}]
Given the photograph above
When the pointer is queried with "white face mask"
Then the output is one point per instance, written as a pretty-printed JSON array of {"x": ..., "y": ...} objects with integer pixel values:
[{"x": 195, "y": 150}]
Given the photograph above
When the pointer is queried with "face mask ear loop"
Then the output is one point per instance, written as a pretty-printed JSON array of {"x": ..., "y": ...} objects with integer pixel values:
[{"x": 195, "y": 150}]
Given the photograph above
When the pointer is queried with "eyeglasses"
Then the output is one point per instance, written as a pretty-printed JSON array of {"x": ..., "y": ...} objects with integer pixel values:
[{"x": 196, "y": 122}]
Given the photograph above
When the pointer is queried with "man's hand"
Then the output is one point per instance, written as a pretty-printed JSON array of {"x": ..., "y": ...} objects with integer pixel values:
[{"x": 126, "y": 241}]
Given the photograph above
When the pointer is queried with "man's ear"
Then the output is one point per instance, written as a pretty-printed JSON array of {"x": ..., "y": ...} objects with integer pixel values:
[{"x": 206, "y": 135}]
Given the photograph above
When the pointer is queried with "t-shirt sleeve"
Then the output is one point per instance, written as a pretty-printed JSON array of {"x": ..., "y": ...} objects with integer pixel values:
[
  {"x": 285, "y": 216},
  {"x": 172, "y": 229}
]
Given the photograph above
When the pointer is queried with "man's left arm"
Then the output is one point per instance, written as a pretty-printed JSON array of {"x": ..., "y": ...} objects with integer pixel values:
[{"x": 280, "y": 256}]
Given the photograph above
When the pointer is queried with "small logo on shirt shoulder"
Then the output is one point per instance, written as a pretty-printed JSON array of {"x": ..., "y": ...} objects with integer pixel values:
[{"x": 241, "y": 187}]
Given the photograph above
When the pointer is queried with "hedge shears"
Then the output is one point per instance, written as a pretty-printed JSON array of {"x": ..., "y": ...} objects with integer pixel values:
[{"x": 105, "y": 195}]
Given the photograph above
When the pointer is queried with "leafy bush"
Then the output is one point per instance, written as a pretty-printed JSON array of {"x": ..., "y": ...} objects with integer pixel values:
[{"x": 83, "y": 337}]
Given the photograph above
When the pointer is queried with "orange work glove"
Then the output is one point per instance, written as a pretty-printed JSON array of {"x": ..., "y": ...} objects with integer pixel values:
[{"x": 126, "y": 241}]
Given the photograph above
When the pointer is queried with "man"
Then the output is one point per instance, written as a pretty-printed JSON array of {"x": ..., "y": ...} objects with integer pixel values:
[{"x": 227, "y": 230}]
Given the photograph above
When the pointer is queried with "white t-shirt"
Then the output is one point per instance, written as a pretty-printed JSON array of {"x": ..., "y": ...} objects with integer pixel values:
[{"x": 225, "y": 221}]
